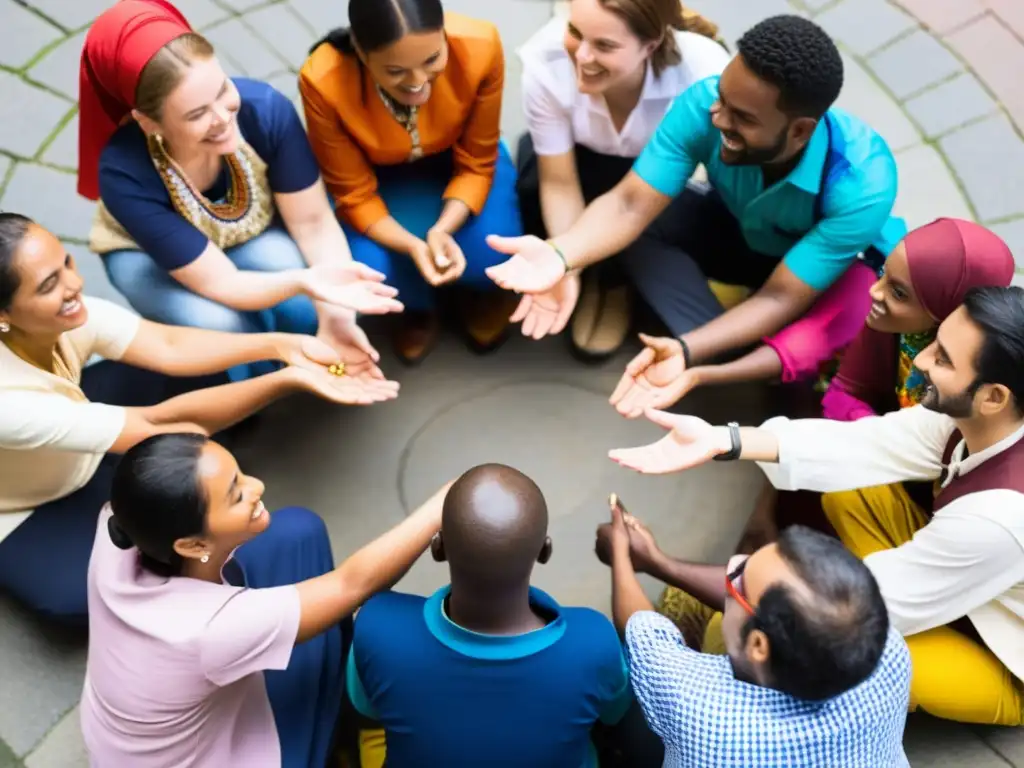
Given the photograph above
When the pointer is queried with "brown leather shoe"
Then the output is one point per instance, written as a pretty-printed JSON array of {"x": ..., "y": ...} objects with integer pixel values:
[
  {"x": 602, "y": 319},
  {"x": 485, "y": 318},
  {"x": 415, "y": 335}
]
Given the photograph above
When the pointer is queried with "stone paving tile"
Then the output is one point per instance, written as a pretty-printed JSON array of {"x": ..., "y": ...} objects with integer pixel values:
[
  {"x": 1011, "y": 12},
  {"x": 943, "y": 15},
  {"x": 283, "y": 31},
  {"x": 815, "y": 5},
  {"x": 64, "y": 149},
  {"x": 58, "y": 69},
  {"x": 988, "y": 157},
  {"x": 735, "y": 17},
  {"x": 913, "y": 63},
  {"x": 244, "y": 5},
  {"x": 63, "y": 747},
  {"x": 1007, "y": 742},
  {"x": 950, "y": 104},
  {"x": 5, "y": 165},
  {"x": 1013, "y": 233},
  {"x": 320, "y": 16},
  {"x": 929, "y": 741},
  {"x": 71, "y": 14},
  {"x": 27, "y": 115},
  {"x": 864, "y": 25},
  {"x": 201, "y": 13},
  {"x": 253, "y": 57},
  {"x": 23, "y": 34},
  {"x": 926, "y": 190},
  {"x": 49, "y": 197},
  {"x": 864, "y": 97},
  {"x": 997, "y": 57}
]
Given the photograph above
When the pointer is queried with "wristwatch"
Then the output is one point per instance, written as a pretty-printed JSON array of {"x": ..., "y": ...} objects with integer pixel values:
[{"x": 734, "y": 437}]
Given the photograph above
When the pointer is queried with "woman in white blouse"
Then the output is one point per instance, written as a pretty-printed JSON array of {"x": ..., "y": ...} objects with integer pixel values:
[
  {"x": 595, "y": 87},
  {"x": 61, "y": 423}
]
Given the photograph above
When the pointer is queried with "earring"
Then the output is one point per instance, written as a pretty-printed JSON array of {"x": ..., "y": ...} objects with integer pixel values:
[
  {"x": 205, "y": 558},
  {"x": 4, "y": 327}
]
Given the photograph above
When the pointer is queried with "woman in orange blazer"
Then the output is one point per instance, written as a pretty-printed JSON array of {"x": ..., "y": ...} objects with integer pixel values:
[{"x": 403, "y": 111}]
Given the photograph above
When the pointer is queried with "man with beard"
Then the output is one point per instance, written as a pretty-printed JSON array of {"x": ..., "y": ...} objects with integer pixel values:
[
  {"x": 799, "y": 190},
  {"x": 952, "y": 576}
]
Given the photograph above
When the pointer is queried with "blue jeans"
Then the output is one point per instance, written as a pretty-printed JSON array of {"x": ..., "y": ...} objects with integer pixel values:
[
  {"x": 413, "y": 194},
  {"x": 157, "y": 296}
]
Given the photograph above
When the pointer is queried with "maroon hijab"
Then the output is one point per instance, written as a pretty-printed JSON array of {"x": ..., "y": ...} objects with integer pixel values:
[{"x": 946, "y": 259}]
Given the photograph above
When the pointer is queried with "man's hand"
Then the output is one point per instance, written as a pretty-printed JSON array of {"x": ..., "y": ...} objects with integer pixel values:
[
  {"x": 547, "y": 313},
  {"x": 689, "y": 443},
  {"x": 643, "y": 550},
  {"x": 345, "y": 390},
  {"x": 653, "y": 379},
  {"x": 448, "y": 257},
  {"x": 351, "y": 285},
  {"x": 535, "y": 266}
]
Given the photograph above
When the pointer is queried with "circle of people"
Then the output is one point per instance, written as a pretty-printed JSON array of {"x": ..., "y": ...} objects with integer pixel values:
[{"x": 752, "y": 216}]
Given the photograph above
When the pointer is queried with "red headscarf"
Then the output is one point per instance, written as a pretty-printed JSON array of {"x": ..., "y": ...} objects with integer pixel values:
[
  {"x": 118, "y": 46},
  {"x": 946, "y": 259}
]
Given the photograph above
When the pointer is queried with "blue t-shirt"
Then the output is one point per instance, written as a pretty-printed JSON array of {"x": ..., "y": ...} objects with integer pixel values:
[
  {"x": 454, "y": 698},
  {"x": 857, "y": 202},
  {"x": 133, "y": 192}
]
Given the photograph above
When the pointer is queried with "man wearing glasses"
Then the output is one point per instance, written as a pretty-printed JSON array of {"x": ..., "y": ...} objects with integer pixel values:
[{"x": 812, "y": 674}]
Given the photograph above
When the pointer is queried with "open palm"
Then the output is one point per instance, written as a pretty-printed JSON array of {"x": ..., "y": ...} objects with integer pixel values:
[
  {"x": 534, "y": 266},
  {"x": 547, "y": 313},
  {"x": 689, "y": 443},
  {"x": 353, "y": 286},
  {"x": 350, "y": 390},
  {"x": 652, "y": 379}
]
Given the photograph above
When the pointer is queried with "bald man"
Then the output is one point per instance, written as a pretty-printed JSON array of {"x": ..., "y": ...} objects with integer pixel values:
[{"x": 488, "y": 670}]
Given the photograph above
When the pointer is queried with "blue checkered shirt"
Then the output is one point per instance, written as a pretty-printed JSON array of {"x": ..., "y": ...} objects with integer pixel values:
[{"x": 709, "y": 719}]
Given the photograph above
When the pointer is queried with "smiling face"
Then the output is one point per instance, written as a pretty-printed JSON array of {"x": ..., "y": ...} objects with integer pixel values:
[
  {"x": 48, "y": 301},
  {"x": 754, "y": 130},
  {"x": 896, "y": 307},
  {"x": 200, "y": 114},
  {"x": 603, "y": 49},
  {"x": 406, "y": 69},
  {"x": 949, "y": 367}
]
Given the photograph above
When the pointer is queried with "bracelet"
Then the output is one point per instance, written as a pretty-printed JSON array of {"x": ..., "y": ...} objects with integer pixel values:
[
  {"x": 556, "y": 249},
  {"x": 686, "y": 354}
]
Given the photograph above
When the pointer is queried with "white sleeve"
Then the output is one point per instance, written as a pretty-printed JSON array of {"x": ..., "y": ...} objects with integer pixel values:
[
  {"x": 824, "y": 455},
  {"x": 958, "y": 562},
  {"x": 114, "y": 327},
  {"x": 33, "y": 420},
  {"x": 549, "y": 123}
]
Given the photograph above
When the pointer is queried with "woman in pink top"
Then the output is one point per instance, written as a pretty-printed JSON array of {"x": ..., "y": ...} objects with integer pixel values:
[{"x": 215, "y": 633}]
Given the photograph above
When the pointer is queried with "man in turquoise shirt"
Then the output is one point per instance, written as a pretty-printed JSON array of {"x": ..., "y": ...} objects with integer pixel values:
[{"x": 799, "y": 191}]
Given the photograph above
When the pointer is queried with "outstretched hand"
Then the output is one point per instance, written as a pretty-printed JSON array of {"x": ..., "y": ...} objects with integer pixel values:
[
  {"x": 689, "y": 443},
  {"x": 534, "y": 266},
  {"x": 655, "y": 378},
  {"x": 548, "y": 313},
  {"x": 353, "y": 286}
]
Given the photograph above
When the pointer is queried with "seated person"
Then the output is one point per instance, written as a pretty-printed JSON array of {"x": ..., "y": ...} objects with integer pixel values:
[
  {"x": 489, "y": 670},
  {"x": 187, "y": 669},
  {"x": 952, "y": 575},
  {"x": 61, "y": 423},
  {"x": 211, "y": 204},
  {"x": 595, "y": 87},
  {"x": 803, "y": 668},
  {"x": 403, "y": 110},
  {"x": 800, "y": 188}
]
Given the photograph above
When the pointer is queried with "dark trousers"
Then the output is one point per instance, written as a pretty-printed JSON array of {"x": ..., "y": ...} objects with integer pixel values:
[{"x": 43, "y": 562}]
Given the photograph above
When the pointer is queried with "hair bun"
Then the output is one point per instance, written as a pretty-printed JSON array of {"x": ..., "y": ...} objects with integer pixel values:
[{"x": 117, "y": 535}]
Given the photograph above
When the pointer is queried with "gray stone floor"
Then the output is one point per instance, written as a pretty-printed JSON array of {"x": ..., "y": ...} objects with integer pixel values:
[{"x": 935, "y": 77}]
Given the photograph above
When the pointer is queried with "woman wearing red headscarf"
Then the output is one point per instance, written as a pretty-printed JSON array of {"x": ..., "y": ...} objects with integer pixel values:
[{"x": 196, "y": 173}]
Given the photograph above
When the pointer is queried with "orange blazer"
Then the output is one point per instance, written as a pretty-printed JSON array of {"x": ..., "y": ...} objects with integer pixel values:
[{"x": 351, "y": 130}]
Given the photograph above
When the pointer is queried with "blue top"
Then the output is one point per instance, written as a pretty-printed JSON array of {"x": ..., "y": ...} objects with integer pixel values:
[
  {"x": 860, "y": 188},
  {"x": 133, "y": 192},
  {"x": 706, "y": 717},
  {"x": 450, "y": 697}
]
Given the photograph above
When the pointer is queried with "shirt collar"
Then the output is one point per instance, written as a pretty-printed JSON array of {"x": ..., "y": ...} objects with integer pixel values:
[
  {"x": 493, "y": 647},
  {"x": 808, "y": 172},
  {"x": 960, "y": 466}
]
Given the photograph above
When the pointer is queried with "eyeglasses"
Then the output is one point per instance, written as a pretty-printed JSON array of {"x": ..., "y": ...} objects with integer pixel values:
[{"x": 734, "y": 586}]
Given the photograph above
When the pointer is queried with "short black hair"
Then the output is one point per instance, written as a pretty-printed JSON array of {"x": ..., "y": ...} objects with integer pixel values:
[
  {"x": 999, "y": 313},
  {"x": 13, "y": 228},
  {"x": 823, "y": 646},
  {"x": 797, "y": 57}
]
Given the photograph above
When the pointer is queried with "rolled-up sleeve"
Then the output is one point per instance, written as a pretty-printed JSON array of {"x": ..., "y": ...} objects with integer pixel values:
[{"x": 476, "y": 151}]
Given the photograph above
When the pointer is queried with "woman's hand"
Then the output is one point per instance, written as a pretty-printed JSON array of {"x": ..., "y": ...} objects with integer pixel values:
[
  {"x": 534, "y": 266},
  {"x": 338, "y": 328},
  {"x": 346, "y": 389},
  {"x": 351, "y": 285},
  {"x": 448, "y": 256},
  {"x": 653, "y": 379}
]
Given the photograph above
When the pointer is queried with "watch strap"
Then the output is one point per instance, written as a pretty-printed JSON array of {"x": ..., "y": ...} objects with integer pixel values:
[{"x": 734, "y": 437}]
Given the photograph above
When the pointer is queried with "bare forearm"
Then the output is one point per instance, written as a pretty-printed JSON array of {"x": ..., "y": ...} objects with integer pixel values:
[
  {"x": 454, "y": 214},
  {"x": 763, "y": 363},
  {"x": 627, "y": 594},
  {"x": 704, "y": 582},
  {"x": 392, "y": 235},
  {"x": 607, "y": 226},
  {"x": 322, "y": 241},
  {"x": 560, "y": 206},
  {"x": 759, "y": 316},
  {"x": 184, "y": 351},
  {"x": 252, "y": 291}
]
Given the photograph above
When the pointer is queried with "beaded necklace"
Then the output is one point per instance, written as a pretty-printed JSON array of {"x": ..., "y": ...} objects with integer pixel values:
[{"x": 407, "y": 117}]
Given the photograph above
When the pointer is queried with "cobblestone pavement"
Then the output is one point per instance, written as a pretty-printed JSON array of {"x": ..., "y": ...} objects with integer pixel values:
[{"x": 938, "y": 78}]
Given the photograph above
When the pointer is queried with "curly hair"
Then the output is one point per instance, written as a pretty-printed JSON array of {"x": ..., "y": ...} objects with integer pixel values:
[{"x": 797, "y": 57}]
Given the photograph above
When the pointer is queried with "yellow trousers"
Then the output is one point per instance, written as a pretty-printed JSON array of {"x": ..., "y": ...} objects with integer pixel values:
[{"x": 954, "y": 677}]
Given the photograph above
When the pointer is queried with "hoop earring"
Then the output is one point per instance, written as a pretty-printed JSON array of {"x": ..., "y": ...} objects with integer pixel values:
[
  {"x": 4, "y": 327},
  {"x": 205, "y": 558}
]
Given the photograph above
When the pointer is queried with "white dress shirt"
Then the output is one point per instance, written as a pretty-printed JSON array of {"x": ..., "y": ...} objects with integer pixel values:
[
  {"x": 967, "y": 561},
  {"x": 558, "y": 116}
]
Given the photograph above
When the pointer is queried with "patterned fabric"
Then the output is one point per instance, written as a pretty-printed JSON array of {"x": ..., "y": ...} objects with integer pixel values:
[
  {"x": 910, "y": 382},
  {"x": 408, "y": 118},
  {"x": 707, "y": 718}
]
